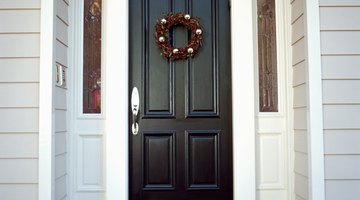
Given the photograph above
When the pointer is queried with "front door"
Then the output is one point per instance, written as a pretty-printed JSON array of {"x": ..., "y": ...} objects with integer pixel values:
[{"x": 183, "y": 149}]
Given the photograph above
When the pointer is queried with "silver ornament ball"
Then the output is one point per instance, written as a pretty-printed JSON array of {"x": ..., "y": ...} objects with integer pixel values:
[
  {"x": 163, "y": 21},
  {"x": 161, "y": 39},
  {"x": 187, "y": 16},
  {"x": 175, "y": 51},
  {"x": 198, "y": 31},
  {"x": 190, "y": 50}
]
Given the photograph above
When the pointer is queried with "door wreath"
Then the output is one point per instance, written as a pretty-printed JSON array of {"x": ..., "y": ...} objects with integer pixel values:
[{"x": 162, "y": 36}]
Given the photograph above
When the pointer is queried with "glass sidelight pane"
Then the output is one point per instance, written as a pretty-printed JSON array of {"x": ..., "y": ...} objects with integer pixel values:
[
  {"x": 268, "y": 89},
  {"x": 92, "y": 57}
]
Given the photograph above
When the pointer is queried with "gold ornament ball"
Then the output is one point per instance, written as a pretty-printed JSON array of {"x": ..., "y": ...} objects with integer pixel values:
[
  {"x": 198, "y": 31},
  {"x": 187, "y": 16},
  {"x": 163, "y": 21},
  {"x": 176, "y": 51},
  {"x": 190, "y": 50},
  {"x": 161, "y": 39}
]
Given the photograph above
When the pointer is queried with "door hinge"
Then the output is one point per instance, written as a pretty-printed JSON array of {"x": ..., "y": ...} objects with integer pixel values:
[{"x": 229, "y": 2}]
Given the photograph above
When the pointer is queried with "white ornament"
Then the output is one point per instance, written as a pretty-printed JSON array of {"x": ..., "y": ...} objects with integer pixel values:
[
  {"x": 187, "y": 16},
  {"x": 163, "y": 21},
  {"x": 190, "y": 50},
  {"x": 198, "y": 31},
  {"x": 161, "y": 39},
  {"x": 176, "y": 51}
]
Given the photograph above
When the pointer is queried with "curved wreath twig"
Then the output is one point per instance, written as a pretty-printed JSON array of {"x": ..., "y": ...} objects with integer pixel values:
[{"x": 162, "y": 39}]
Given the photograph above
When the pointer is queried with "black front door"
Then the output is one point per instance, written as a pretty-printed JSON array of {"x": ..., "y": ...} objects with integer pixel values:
[{"x": 183, "y": 149}]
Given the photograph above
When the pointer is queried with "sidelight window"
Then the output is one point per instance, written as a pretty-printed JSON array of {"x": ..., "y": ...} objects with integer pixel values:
[
  {"x": 267, "y": 56},
  {"x": 92, "y": 57}
]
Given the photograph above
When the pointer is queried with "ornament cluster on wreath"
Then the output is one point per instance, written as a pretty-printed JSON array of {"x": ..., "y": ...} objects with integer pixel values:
[{"x": 162, "y": 36}]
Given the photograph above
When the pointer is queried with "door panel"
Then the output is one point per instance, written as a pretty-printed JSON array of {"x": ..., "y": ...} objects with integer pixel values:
[{"x": 183, "y": 149}]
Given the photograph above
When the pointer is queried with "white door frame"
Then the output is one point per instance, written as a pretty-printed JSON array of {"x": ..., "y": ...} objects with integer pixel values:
[{"x": 116, "y": 26}]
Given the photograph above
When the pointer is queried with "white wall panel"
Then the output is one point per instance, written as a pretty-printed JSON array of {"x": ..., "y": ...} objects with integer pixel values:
[
  {"x": 342, "y": 142},
  {"x": 61, "y": 31},
  {"x": 19, "y": 120},
  {"x": 297, "y": 9},
  {"x": 19, "y": 70},
  {"x": 300, "y": 119},
  {"x": 342, "y": 167},
  {"x": 341, "y": 91},
  {"x": 330, "y": 42},
  {"x": 300, "y": 141},
  {"x": 300, "y": 96},
  {"x": 341, "y": 116},
  {"x": 60, "y": 188},
  {"x": 19, "y": 95},
  {"x": 19, "y": 191},
  {"x": 301, "y": 186},
  {"x": 19, "y": 21},
  {"x": 16, "y": 145},
  {"x": 18, "y": 171},
  {"x": 60, "y": 165},
  {"x": 61, "y": 143},
  {"x": 61, "y": 53},
  {"x": 297, "y": 30},
  {"x": 341, "y": 67},
  {"x": 342, "y": 189},
  {"x": 299, "y": 74},
  {"x": 19, "y": 4},
  {"x": 20, "y": 45},
  {"x": 60, "y": 121},
  {"x": 301, "y": 162},
  {"x": 298, "y": 53},
  {"x": 340, "y": 18},
  {"x": 62, "y": 10},
  {"x": 339, "y": 3},
  {"x": 61, "y": 98}
]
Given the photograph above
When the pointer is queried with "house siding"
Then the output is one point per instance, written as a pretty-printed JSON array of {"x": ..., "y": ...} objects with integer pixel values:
[
  {"x": 340, "y": 49},
  {"x": 19, "y": 105},
  {"x": 61, "y": 109},
  {"x": 300, "y": 100}
]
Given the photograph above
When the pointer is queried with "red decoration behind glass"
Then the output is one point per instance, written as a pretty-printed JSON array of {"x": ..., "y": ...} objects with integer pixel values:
[{"x": 92, "y": 57}]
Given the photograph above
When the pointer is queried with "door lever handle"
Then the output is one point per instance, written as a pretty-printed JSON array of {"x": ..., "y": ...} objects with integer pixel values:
[{"x": 135, "y": 105}]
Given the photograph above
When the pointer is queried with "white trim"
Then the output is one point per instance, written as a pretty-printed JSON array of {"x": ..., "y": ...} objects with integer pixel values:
[
  {"x": 290, "y": 100},
  {"x": 116, "y": 26},
  {"x": 315, "y": 119},
  {"x": 46, "y": 101},
  {"x": 243, "y": 85}
]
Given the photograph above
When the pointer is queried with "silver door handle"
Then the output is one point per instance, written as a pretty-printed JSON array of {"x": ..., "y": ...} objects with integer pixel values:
[{"x": 135, "y": 104}]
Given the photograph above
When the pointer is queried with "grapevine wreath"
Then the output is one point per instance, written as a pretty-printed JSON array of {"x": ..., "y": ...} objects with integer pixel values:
[{"x": 162, "y": 39}]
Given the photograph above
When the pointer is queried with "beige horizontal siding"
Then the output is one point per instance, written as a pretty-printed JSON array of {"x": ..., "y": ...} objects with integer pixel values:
[
  {"x": 19, "y": 191},
  {"x": 341, "y": 117},
  {"x": 19, "y": 45},
  {"x": 19, "y": 145},
  {"x": 342, "y": 142},
  {"x": 342, "y": 189},
  {"x": 339, "y": 3},
  {"x": 18, "y": 171},
  {"x": 19, "y": 5},
  {"x": 299, "y": 103},
  {"x": 340, "y": 18},
  {"x": 19, "y": 85},
  {"x": 340, "y": 32},
  {"x": 19, "y": 95},
  {"x": 61, "y": 155},
  {"x": 19, "y": 21},
  {"x": 341, "y": 67},
  {"x": 19, "y": 70}
]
